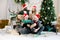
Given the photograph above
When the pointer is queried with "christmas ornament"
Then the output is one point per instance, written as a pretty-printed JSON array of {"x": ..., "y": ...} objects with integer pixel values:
[
  {"x": 54, "y": 17},
  {"x": 44, "y": 1},
  {"x": 48, "y": 7},
  {"x": 45, "y": 17},
  {"x": 53, "y": 5},
  {"x": 42, "y": 8},
  {"x": 47, "y": 22},
  {"x": 51, "y": 13}
]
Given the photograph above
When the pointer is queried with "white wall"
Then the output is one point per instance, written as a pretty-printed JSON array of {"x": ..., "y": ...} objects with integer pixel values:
[
  {"x": 4, "y": 14},
  {"x": 3, "y": 5},
  {"x": 12, "y": 6},
  {"x": 58, "y": 6}
]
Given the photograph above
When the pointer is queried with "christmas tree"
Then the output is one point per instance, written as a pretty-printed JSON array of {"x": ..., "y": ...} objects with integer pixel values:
[{"x": 47, "y": 12}]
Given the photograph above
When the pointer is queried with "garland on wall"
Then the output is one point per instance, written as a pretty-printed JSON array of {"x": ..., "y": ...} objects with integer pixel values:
[{"x": 21, "y": 1}]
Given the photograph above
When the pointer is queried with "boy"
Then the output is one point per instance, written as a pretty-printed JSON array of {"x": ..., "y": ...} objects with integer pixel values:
[
  {"x": 24, "y": 23},
  {"x": 36, "y": 27}
]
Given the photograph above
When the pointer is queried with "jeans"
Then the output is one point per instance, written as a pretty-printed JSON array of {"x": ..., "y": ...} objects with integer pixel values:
[
  {"x": 23, "y": 30},
  {"x": 39, "y": 31}
]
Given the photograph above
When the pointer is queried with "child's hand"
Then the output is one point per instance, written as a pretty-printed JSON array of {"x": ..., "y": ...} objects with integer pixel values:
[
  {"x": 28, "y": 25},
  {"x": 33, "y": 25},
  {"x": 36, "y": 30}
]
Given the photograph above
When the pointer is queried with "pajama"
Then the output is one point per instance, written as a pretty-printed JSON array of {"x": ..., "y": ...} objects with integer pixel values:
[{"x": 23, "y": 30}]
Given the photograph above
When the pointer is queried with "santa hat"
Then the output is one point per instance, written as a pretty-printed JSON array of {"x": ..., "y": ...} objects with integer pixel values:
[
  {"x": 34, "y": 7},
  {"x": 38, "y": 16},
  {"x": 25, "y": 14},
  {"x": 24, "y": 5}
]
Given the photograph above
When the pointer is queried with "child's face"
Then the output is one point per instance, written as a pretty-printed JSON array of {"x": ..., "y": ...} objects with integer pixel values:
[
  {"x": 35, "y": 18},
  {"x": 33, "y": 9},
  {"x": 20, "y": 17},
  {"x": 31, "y": 16}
]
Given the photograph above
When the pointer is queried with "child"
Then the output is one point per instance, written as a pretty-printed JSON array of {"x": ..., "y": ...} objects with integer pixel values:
[
  {"x": 24, "y": 9},
  {"x": 25, "y": 22},
  {"x": 36, "y": 27}
]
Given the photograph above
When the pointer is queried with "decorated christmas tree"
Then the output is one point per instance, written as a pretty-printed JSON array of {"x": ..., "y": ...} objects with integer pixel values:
[{"x": 47, "y": 13}]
